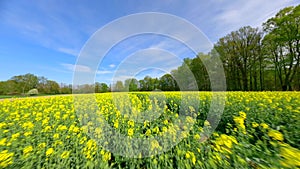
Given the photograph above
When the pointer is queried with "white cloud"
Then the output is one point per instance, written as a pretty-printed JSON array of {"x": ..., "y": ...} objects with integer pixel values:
[
  {"x": 161, "y": 45},
  {"x": 177, "y": 48},
  {"x": 112, "y": 65},
  {"x": 236, "y": 14},
  {"x": 104, "y": 72},
  {"x": 46, "y": 25},
  {"x": 68, "y": 51},
  {"x": 230, "y": 17},
  {"x": 216, "y": 18},
  {"x": 78, "y": 68}
]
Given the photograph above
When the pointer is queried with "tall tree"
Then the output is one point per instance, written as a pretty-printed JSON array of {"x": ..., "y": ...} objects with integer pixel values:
[
  {"x": 131, "y": 84},
  {"x": 282, "y": 42},
  {"x": 167, "y": 83},
  {"x": 199, "y": 71},
  {"x": 103, "y": 87},
  {"x": 42, "y": 81},
  {"x": 240, "y": 53},
  {"x": 149, "y": 83},
  {"x": 25, "y": 82},
  {"x": 184, "y": 76},
  {"x": 52, "y": 87},
  {"x": 9, "y": 87},
  {"x": 97, "y": 87},
  {"x": 118, "y": 87},
  {"x": 65, "y": 89}
]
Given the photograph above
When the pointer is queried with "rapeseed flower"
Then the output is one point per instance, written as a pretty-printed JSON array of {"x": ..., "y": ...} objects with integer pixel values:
[
  {"x": 27, "y": 150},
  {"x": 41, "y": 145},
  {"x": 116, "y": 124},
  {"x": 154, "y": 145},
  {"x": 276, "y": 135},
  {"x": 224, "y": 143},
  {"x": 6, "y": 158},
  {"x": 28, "y": 125},
  {"x": 49, "y": 152},
  {"x": 264, "y": 125},
  {"x": 254, "y": 124},
  {"x": 26, "y": 134},
  {"x": 290, "y": 156},
  {"x": 130, "y": 132},
  {"x": 191, "y": 155},
  {"x": 15, "y": 136},
  {"x": 131, "y": 123},
  {"x": 148, "y": 132},
  {"x": 3, "y": 142},
  {"x": 65, "y": 154}
]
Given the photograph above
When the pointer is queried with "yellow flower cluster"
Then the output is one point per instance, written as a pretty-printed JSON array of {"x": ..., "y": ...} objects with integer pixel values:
[
  {"x": 90, "y": 149},
  {"x": 254, "y": 124},
  {"x": 65, "y": 154},
  {"x": 6, "y": 158},
  {"x": 290, "y": 156},
  {"x": 49, "y": 152},
  {"x": 240, "y": 120},
  {"x": 191, "y": 155},
  {"x": 154, "y": 145},
  {"x": 276, "y": 135},
  {"x": 28, "y": 125},
  {"x": 27, "y": 150},
  {"x": 130, "y": 132},
  {"x": 224, "y": 143},
  {"x": 106, "y": 156},
  {"x": 264, "y": 125}
]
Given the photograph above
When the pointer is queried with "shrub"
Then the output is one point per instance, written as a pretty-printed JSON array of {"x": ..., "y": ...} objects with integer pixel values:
[{"x": 33, "y": 92}]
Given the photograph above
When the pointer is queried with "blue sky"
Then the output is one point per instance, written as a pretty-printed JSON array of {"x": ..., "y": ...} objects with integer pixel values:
[{"x": 45, "y": 37}]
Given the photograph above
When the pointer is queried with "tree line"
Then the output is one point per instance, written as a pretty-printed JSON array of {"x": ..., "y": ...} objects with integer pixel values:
[
  {"x": 253, "y": 60},
  {"x": 264, "y": 60},
  {"x": 21, "y": 84}
]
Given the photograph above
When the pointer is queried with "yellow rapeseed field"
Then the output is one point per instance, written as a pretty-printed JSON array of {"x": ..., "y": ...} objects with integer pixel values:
[{"x": 256, "y": 130}]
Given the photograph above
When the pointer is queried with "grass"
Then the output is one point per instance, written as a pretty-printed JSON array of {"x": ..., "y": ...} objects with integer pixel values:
[
  {"x": 22, "y": 96},
  {"x": 4, "y": 96}
]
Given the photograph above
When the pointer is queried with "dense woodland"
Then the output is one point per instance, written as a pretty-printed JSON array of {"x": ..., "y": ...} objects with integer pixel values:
[{"x": 253, "y": 60}]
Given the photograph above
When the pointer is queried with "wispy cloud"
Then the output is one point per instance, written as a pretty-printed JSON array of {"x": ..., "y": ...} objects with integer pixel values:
[
  {"x": 101, "y": 72},
  {"x": 177, "y": 48},
  {"x": 236, "y": 14},
  {"x": 217, "y": 18},
  {"x": 84, "y": 69},
  {"x": 49, "y": 25},
  {"x": 69, "y": 51},
  {"x": 112, "y": 65},
  {"x": 78, "y": 68}
]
